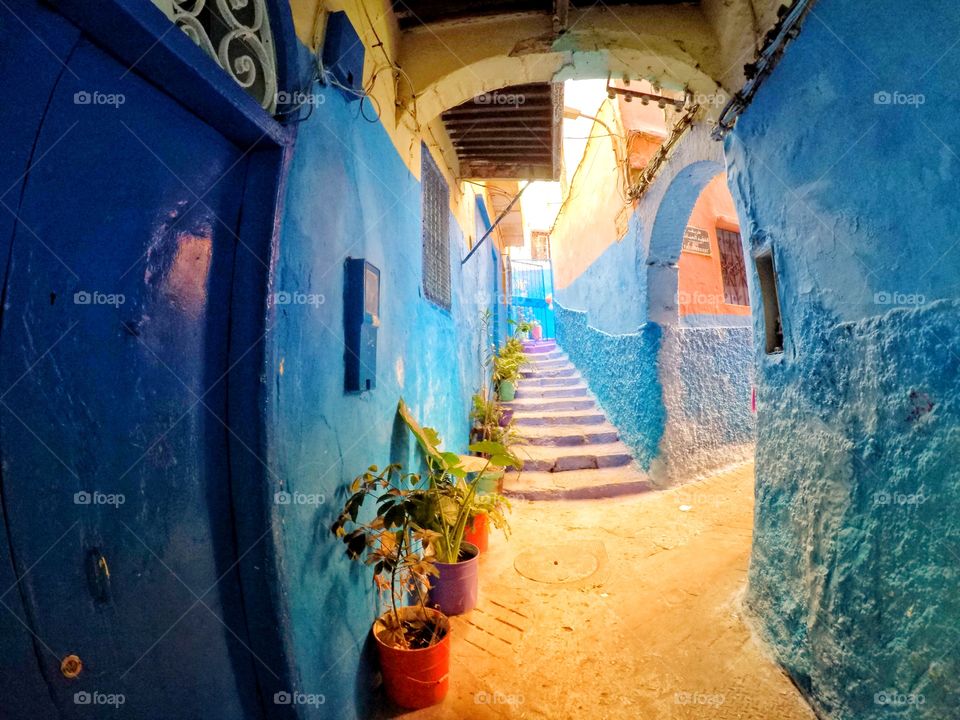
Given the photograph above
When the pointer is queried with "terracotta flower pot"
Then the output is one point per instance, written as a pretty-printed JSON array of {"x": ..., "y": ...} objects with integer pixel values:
[
  {"x": 478, "y": 531},
  {"x": 415, "y": 678},
  {"x": 454, "y": 591}
]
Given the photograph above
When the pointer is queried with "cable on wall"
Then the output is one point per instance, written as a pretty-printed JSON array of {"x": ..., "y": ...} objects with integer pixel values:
[{"x": 775, "y": 42}]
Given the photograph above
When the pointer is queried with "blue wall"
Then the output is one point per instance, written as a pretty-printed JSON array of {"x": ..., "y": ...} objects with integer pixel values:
[
  {"x": 621, "y": 373},
  {"x": 855, "y": 563},
  {"x": 350, "y": 194},
  {"x": 679, "y": 395},
  {"x": 613, "y": 291},
  {"x": 707, "y": 379}
]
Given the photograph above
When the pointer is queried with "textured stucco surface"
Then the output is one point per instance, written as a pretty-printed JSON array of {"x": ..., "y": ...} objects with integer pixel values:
[
  {"x": 856, "y": 544},
  {"x": 706, "y": 375},
  {"x": 351, "y": 194},
  {"x": 621, "y": 373}
]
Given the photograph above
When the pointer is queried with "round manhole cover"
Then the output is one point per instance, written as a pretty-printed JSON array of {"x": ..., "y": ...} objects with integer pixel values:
[{"x": 557, "y": 563}]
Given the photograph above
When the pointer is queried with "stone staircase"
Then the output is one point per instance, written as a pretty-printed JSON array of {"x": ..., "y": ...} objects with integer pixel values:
[{"x": 569, "y": 448}]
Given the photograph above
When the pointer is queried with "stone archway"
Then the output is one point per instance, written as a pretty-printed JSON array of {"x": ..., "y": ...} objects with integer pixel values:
[
  {"x": 704, "y": 372},
  {"x": 665, "y": 211}
]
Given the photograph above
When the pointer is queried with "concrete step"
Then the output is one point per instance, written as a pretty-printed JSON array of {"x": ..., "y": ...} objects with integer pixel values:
[
  {"x": 534, "y": 347},
  {"x": 567, "y": 370},
  {"x": 540, "y": 369},
  {"x": 577, "y": 484},
  {"x": 567, "y": 435},
  {"x": 552, "y": 381},
  {"x": 528, "y": 392},
  {"x": 539, "y": 458},
  {"x": 547, "y": 405},
  {"x": 556, "y": 418},
  {"x": 545, "y": 357}
]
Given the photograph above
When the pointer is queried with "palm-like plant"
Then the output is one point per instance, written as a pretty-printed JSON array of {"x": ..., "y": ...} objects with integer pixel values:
[{"x": 455, "y": 492}]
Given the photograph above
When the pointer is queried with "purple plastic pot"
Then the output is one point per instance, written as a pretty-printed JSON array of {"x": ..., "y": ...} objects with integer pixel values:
[
  {"x": 506, "y": 416},
  {"x": 455, "y": 590}
]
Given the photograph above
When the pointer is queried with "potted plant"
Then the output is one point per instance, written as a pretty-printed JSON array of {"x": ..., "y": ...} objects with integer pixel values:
[
  {"x": 506, "y": 368},
  {"x": 491, "y": 421},
  {"x": 490, "y": 508},
  {"x": 455, "y": 489},
  {"x": 413, "y": 641}
]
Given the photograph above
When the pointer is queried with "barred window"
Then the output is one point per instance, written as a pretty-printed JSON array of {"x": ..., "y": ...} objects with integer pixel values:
[
  {"x": 732, "y": 268},
  {"x": 436, "y": 232}
]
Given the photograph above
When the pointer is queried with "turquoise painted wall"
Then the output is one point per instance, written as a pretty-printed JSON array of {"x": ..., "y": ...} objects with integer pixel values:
[
  {"x": 621, "y": 372},
  {"x": 679, "y": 395},
  {"x": 613, "y": 290},
  {"x": 854, "y": 572},
  {"x": 350, "y": 194}
]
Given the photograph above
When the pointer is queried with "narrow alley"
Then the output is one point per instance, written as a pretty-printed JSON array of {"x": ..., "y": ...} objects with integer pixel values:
[
  {"x": 617, "y": 609},
  {"x": 479, "y": 359}
]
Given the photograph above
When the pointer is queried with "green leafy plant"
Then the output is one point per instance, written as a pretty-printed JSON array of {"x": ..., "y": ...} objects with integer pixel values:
[
  {"x": 395, "y": 544},
  {"x": 455, "y": 491},
  {"x": 521, "y": 326},
  {"x": 487, "y": 417}
]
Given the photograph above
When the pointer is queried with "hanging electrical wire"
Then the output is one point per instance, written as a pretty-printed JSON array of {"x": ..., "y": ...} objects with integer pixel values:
[
  {"x": 787, "y": 28},
  {"x": 660, "y": 158}
]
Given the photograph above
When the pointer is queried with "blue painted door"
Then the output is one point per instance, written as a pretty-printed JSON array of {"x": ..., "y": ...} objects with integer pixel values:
[{"x": 113, "y": 367}]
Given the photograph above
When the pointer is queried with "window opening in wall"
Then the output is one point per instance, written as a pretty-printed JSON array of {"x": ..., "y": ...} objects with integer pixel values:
[
  {"x": 767, "y": 272},
  {"x": 436, "y": 232},
  {"x": 732, "y": 267}
]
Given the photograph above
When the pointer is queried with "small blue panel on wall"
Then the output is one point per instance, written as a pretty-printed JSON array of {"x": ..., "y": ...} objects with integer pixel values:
[
  {"x": 343, "y": 55},
  {"x": 361, "y": 318}
]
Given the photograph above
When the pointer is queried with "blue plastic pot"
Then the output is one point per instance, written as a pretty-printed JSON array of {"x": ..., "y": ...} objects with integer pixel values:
[{"x": 455, "y": 590}]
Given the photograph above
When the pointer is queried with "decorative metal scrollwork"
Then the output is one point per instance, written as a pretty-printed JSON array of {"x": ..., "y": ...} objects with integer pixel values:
[{"x": 236, "y": 34}]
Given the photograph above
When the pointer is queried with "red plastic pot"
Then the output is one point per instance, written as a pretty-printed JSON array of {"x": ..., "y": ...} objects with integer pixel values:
[
  {"x": 415, "y": 678},
  {"x": 537, "y": 332},
  {"x": 454, "y": 591},
  {"x": 478, "y": 531}
]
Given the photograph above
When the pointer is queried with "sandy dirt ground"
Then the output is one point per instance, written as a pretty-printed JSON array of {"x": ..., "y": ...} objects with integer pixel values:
[{"x": 620, "y": 608}]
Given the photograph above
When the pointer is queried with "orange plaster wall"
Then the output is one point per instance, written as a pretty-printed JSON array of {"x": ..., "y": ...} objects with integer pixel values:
[{"x": 700, "y": 282}]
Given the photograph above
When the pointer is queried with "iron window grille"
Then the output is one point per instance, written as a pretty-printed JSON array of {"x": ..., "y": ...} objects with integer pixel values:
[
  {"x": 732, "y": 268},
  {"x": 436, "y": 232}
]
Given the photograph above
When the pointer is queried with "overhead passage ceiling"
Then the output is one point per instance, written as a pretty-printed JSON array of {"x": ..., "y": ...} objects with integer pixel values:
[
  {"x": 411, "y": 13},
  {"x": 513, "y": 132}
]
